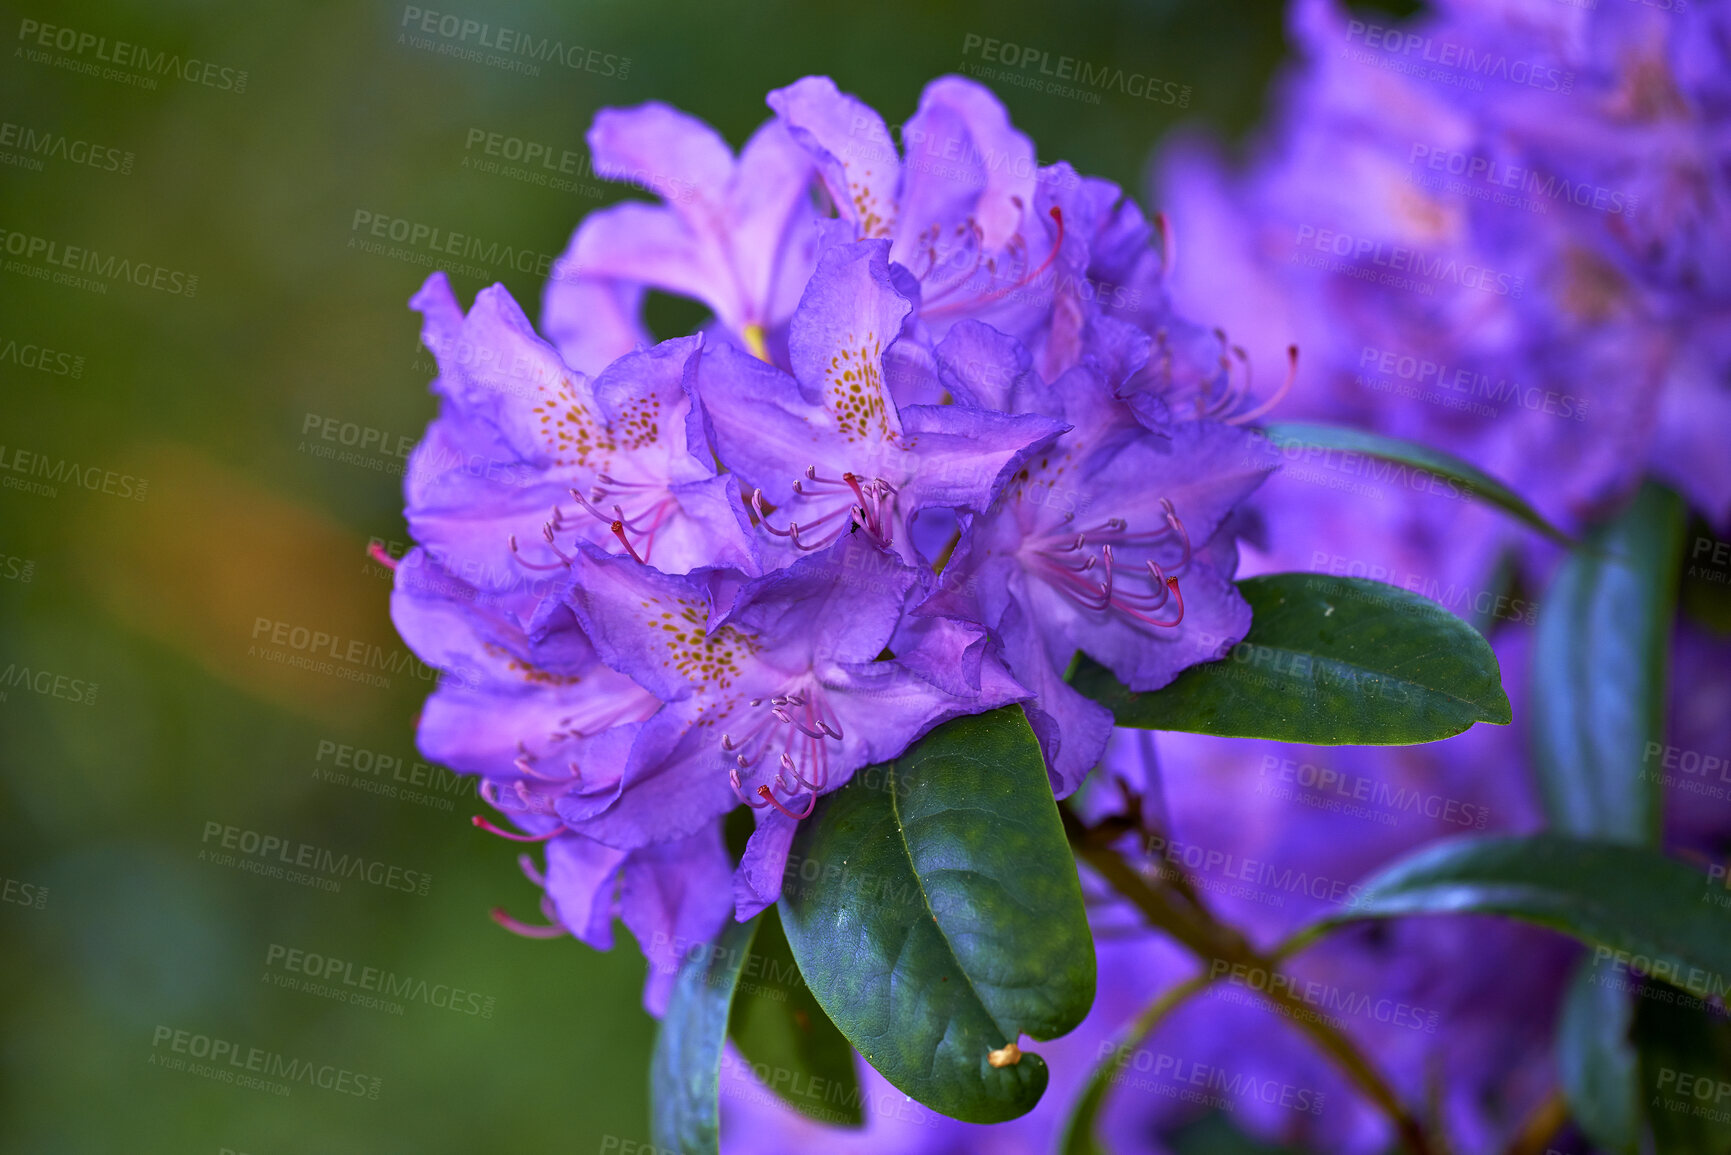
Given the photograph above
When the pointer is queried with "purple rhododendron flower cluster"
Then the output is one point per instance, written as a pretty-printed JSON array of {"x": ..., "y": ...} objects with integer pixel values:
[
  {"x": 941, "y": 433},
  {"x": 1515, "y": 253}
]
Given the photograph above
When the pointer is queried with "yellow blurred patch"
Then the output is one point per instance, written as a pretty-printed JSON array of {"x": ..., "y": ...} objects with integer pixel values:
[{"x": 267, "y": 594}]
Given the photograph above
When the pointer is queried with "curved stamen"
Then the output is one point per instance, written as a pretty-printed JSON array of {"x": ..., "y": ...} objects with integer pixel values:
[
  {"x": 763, "y": 517},
  {"x": 764, "y": 793},
  {"x": 618, "y": 528},
  {"x": 995, "y": 295},
  {"x": 800, "y": 726},
  {"x": 618, "y": 523},
  {"x": 739, "y": 790},
  {"x": 1178, "y": 594},
  {"x": 526, "y": 930},
  {"x": 1231, "y": 393},
  {"x": 530, "y": 870},
  {"x": 512, "y": 540},
  {"x": 798, "y": 720},
  {"x": 512, "y": 835},
  {"x": 1279, "y": 394},
  {"x": 547, "y": 535},
  {"x": 376, "y": 551}
]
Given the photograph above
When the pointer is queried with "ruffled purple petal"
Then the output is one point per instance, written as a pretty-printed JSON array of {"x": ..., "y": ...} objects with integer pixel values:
[
  {"x": 757, "y": 882},
  {"x": 852, "y": 149},
  {"x": 675, "y": 898},
  {"x": 581, "y": 878}
]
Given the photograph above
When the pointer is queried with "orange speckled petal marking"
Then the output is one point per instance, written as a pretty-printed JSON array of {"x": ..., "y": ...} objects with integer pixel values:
[
  {"x": 570, "y": 428},
  {"x": 854, "y": 390},
  {"x": 709, "y": 659}
]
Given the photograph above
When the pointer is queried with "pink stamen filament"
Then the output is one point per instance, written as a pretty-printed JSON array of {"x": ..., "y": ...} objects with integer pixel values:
[
  {"x": 1233, "y": 392},
  {"x": 553, "y": 930},
  {"x": 1279, "y": 394},
  {"x": 512, "y": 541},
  {"x": 799, "y": 720},
  {"x": 795, "y": 528},
  {"x": 1026, "y": 278},
  {"x": 513, "y": 835},
  {"x": 764, "y": 793},
  {"x": 1056, "y": 559},
  {"x": 376, "y": 551},
  {"x": 530, "y": 870},
  {"x": 618, "y": 523}
]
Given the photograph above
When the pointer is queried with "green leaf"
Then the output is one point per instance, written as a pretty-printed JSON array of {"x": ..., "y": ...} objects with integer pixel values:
[
  {"x": 1215, "y": 1134},
  {"x": 1596, "y": 1062},
  {"x": 1078, "y": 1137},
  {"x": 1459, "y": 478},
  {"x": 1328, "y": 661},
  {"x": 1685, "y": 1062},
  {"x": 945, "y": 917},
  {"x": 1599, "y": 660},
  {"x": 1662, "y": 915},
  {"x": 685, "y": 1068},
  {"x": 779, "y": 1027}
]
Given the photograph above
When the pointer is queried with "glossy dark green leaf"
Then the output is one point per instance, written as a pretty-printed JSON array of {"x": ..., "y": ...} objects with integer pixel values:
[
  {"x": 1599, "y": 660},
  {"x": 781, "y": 1030},
  {"x": 1458, "y": 478},
  {"x": 944, "y": 918},
  {"x": 685, "y": 1068},
  {"x": 1685, "y": 1073},
  {"x": 1596, "y": 1062},
  {"x": 1663, "y": 915},
  {"x": 1328, "y": 661}
]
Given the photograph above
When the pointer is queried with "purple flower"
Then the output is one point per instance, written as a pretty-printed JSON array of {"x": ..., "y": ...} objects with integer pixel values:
[
  {"x": 985, "y": 232},
  {"x": 968, "y": 179},
  {"x": 830, "y": 438},
  {"x": 774, "y": 695},
  {"x": 1088, "y": 545},
  {"x": 736, "y": 234},
  {"x": 530, "y": 708},
  {"x": 548, "y": 727},
  {"x": 967, "y": 456},
  {"x": 530, "y": 456},
  {"x": 1518, "y": 264}
]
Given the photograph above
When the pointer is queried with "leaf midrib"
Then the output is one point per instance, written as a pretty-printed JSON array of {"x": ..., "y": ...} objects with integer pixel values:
[{"x": 926, "y": 901}]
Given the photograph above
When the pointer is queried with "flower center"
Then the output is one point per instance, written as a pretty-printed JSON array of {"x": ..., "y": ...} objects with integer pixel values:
[
  {"x": 606, "y": 502},
  {"x": 542, "y": 783},
  {"x": 800, "y": 722},
  {"x": 968, "y": 253},
  {"x": 1082, "y": 565},
  {"x": 1215, "y": 397},
  {"x": 870, "y": 501}
]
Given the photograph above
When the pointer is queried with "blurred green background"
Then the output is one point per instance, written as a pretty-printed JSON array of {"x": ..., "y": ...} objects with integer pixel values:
[{"x": 163, "y": 710}]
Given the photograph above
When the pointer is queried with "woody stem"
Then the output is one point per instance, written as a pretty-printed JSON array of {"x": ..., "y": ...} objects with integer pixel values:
[{"x": 1215, "y": 942}]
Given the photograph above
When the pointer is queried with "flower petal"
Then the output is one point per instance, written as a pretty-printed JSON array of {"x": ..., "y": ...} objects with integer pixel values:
[
  {"x": 675, "y": 896},
  {"x": 581, "y": 877},
  {"x": 852, "y": 149}
]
